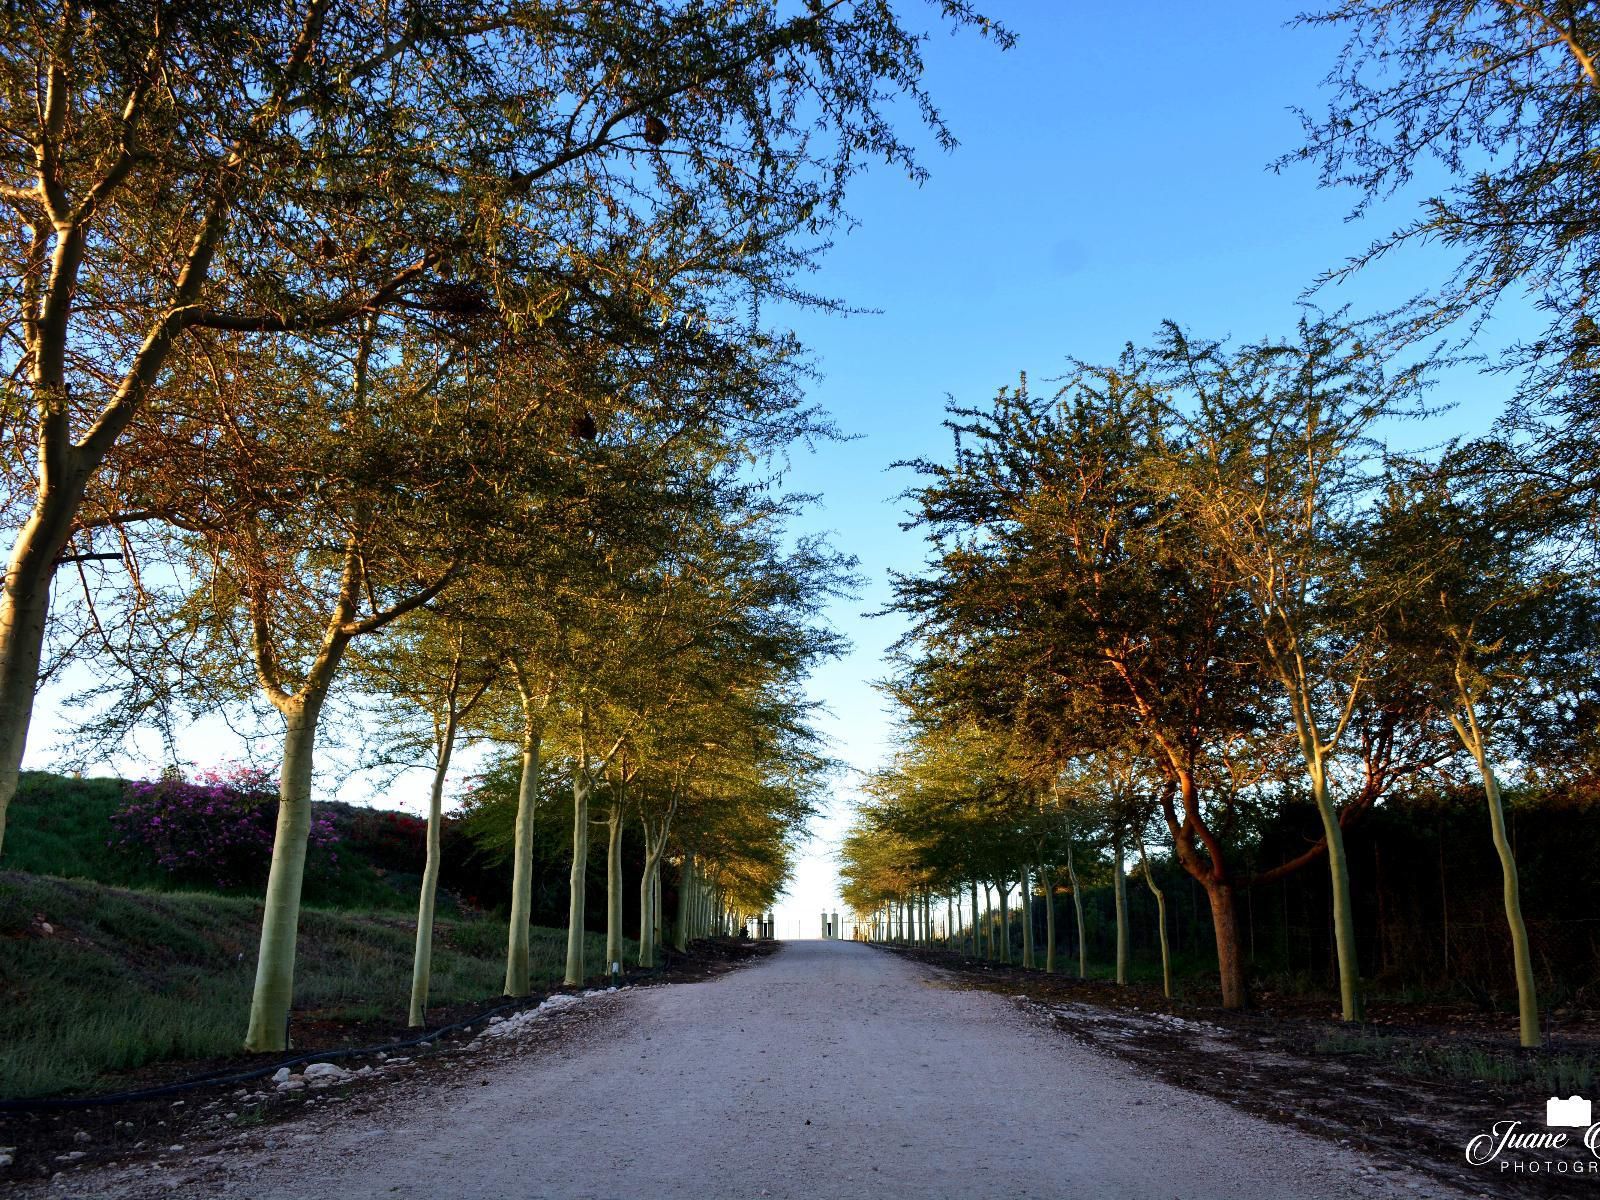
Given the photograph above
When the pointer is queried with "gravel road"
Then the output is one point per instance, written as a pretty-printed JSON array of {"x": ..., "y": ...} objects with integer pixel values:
[{"x": 827, "y": 1070}]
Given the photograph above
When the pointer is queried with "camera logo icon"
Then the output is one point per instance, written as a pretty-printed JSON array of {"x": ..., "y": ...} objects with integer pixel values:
[{"x": 1572, "y": 1113}]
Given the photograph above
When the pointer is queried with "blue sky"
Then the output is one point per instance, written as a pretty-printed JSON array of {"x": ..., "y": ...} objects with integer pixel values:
[{"x": 1113, "y": 172}]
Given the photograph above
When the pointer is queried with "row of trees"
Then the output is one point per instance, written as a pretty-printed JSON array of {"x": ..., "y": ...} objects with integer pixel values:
[
  {"x": 408, "y": 355},
  {"x": 1193, "y": 580}
]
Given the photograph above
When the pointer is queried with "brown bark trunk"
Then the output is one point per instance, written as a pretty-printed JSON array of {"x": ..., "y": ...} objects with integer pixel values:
[{"x": 1230, "y": 957}]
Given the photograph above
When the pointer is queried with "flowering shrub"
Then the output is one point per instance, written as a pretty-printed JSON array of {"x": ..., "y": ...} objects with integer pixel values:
[{"x": 216, "y": 830}]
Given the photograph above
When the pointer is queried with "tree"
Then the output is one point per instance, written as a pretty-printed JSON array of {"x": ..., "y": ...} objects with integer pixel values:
[
  {"x": 270, "y": 169},
  {"x": 1273, "y": 475},
  {"x": 1070, "y": 602},
  {"x": 310, "y": 539},
  {"x": 428, "y": 669},
  {"x": 1491, "y": 623}
]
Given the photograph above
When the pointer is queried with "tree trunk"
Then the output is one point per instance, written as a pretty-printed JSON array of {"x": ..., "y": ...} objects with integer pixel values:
[
  {"x": 1161, "y": 925},
  {"x": 650, "y": 893},
  {"x": 517, "y": 983},
  {"x": 976, "y": 950},
  {"x": 685, "y": 902},
  {"x": 1230, "y": 957},
  {"x": 581, "y": 783},
  {"x": 1521, "y": 957},
  {"x": 422, "y": 960},
  {"x": 1344, "y": 925},
  {"x": 647, "y": 918},
  {"x": 280, "y": 919},
  {"x": 614, "y": 886},
  {"x": 1077, "y": 906},
  {"x": 1002, "y": 889},
  {"x": 24, "y": 611},
  {"x": 1120, "y": 894},
  {"x": 1047, "y": 877},
  {"x": 655, "y": 900},
  {"x": 989, "y": 948},
  {"x": 1027, "y": 919}
]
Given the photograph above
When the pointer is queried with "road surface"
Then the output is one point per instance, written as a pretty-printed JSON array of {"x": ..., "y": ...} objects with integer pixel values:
[{"x": 828, "y": 1070}]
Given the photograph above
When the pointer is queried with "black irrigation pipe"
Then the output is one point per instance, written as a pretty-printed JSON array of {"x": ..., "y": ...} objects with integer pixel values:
[{"x": 223, "y": 1077}]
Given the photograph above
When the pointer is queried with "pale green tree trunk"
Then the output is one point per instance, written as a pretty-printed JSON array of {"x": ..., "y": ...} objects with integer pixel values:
[
  {"x": 517, "y": 982},
  {"x": 1161, "y": 921},
  {"x": 949, "y": 920},
  {"x": 655, "y": 845},
  {"x": 280, "y": 919},
  {"x": 422, "y": 959},
  {"x": 1027, "y": 919},
  {"x": 581, "y": 785},
  {"x": 685, "y": 902},
  {"x": 1047, "y": 876},
  {"x": 1002, "y": 889},
  {"x": 1314, "y": 752},
  {"x": 1077, "y": 908},
  {"x": 989, "y": 924},
  {"x": 647, "y": 916},
  {"x": 1120, "y": 893},
  {"x": 614, "y": 882},
  {"x": 977, "y": 949},
  {"x": 273, "y": 994},
  {"x": 1521, "y": 956},
  {"x": 1344, "y": 925}
]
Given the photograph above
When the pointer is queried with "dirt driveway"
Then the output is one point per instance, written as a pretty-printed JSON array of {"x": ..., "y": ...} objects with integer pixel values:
[{"x": 827, "y": 1070}]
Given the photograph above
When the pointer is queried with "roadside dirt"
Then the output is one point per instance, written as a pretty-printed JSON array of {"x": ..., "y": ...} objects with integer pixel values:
[
  {"x": 1356, "y": 1087},
  {"x": 47, "y": 1142}
]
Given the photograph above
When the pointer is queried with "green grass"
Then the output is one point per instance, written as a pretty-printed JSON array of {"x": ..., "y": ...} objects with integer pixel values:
[
  {"x": 1544, "y": 1070},
  {"x": 131, "y": 977},
  {"x": 60, "y": 826}
]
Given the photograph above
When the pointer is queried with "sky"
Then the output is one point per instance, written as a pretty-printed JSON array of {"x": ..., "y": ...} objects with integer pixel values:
[{"x": 1113, "y": 172}]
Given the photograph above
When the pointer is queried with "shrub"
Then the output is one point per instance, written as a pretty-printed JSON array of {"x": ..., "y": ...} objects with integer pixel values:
[
  {"x": 216, "y": 830},
  {"x": 391, "y": 841}
]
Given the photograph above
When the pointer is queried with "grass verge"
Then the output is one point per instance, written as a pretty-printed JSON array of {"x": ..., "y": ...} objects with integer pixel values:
[
  {"x": 97, "y": 980},
  {"x": 1542, "y": 1070}
]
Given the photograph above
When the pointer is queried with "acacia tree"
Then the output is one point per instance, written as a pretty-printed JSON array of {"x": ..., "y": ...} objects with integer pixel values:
[
  {"x": 1272, "y": 476},
  {"x": 271, "y": 169},
  {"x": 427, "y": 669},
  {"x": 1491, "y": 624},
  {"x": 1072, "y": 603},
  {"x": 321, "y": 532}
]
